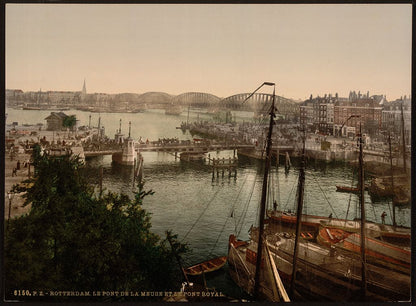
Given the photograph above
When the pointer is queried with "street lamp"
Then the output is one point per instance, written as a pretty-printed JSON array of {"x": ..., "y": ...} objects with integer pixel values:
[{"x": 352, "y": 116}]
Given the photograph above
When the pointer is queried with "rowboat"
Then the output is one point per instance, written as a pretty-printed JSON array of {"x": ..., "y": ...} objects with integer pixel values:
[{"x": 206, "y": 266}]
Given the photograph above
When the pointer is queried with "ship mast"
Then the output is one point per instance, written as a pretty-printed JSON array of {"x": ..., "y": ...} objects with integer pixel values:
[
  {"x": 392, "y": 183},
  {"x": 403, "y": 141},
  {"x": 361, "y": 186},
  {"x": 264, "y": 190},
  {"x": 299, "y": 217}
]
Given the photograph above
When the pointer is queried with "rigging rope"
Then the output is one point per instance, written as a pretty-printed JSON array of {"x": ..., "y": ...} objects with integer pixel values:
[
  {"x": 326, "y": 198},
  {"x": 229, "y": 215},
  {"x": 349, "y": 200},
  {"x": 200, "y": 216},
  {"x": 290, "y": 194},
  {"x": 348, "y": 209},
  {"x": 244, "y": 213},
  {"x": 232, "y": 213},
  {"x": 277, "y": 180}
]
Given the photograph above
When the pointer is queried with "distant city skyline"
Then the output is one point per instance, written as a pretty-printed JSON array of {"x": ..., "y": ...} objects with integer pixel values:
[{"x": 222, "y": 49}]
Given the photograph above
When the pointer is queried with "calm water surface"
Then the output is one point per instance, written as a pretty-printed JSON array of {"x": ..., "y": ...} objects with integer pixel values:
[{"x": 199, "y": 209}]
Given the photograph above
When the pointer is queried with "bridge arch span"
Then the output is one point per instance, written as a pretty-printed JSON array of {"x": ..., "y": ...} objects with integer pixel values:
[
  {"x": 259, "y": 103},
  {"x": 196, "y": 99}
]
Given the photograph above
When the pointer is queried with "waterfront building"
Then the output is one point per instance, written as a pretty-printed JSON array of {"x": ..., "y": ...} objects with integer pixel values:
[
  {"x": 63, "y": 98},
  {"x": 306, "y": 115},
  {"x": 326, "y": 118},
  {"x": 14, "y": 96},
  {"x": 317, "y": 114},
  {"x": 392, "y": 118},
  {"x": 55, "y": 121},
  {"x": 328, "y": 114},
  {"x": 358, "y": 109}
]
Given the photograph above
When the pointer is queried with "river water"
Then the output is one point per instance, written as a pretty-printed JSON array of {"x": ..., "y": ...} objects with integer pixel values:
[{"x": 204, "y": 212}]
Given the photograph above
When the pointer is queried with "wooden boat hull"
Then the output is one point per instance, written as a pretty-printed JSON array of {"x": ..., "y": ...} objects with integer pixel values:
[
  {"x": 380, "y": 251},
  {"x": 323, "y": 274},
  {"x": 206, "y": 266},
  {"x": 394, "y": 235}
]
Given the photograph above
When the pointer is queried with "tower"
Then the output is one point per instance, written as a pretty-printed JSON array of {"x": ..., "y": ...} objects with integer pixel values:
[{"x": 84, "y": 89}]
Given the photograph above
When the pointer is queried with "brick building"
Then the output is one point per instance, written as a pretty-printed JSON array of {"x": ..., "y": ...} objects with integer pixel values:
[{"x": 349, "y": 115}]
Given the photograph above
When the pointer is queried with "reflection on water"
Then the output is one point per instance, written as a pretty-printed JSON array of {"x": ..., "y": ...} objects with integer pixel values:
[
  {"x": 198, "y": 208},
  {"x": 204, "y": 212}
]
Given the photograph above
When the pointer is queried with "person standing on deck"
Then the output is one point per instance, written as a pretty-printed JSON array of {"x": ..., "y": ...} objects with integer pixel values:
[{"x": 383, "y": 217}]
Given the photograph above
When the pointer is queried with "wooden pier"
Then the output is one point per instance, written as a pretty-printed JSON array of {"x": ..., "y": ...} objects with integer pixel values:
[{"x": 222, "y": 165}]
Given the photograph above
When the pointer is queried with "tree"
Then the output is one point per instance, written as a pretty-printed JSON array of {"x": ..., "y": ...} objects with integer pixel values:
[
  {"x": 74, "y": 240},
  {"x": 69, "y": 121}
]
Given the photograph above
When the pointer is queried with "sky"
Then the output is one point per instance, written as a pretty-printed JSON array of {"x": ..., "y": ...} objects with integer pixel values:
[{"x": 222, "y": 49}]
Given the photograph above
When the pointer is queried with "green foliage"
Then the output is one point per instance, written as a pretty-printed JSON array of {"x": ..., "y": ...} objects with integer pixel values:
[
  {"x": 73, "y": 240},
  {"x": 69, "y": 121}
]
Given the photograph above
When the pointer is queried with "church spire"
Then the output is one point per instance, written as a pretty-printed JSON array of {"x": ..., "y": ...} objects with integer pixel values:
[{"x": 84, "y": 88}]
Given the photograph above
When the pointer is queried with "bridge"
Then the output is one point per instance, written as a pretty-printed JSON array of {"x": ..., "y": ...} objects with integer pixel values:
[
  {"x": 260, "y": 103},
  {"x": 196, "y": 99},
  {"x": 179, "y": 147}
]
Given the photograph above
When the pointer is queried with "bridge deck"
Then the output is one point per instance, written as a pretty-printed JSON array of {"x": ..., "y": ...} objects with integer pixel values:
[{"x": 197, "y": 148}]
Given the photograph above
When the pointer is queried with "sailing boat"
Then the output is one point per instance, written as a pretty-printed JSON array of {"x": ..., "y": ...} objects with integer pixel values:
[
  {"x": 379, "y": 252},
  {"x": 248, "y": 270},
  {"x": 394, "y": 234},
  {"x": 312, "y": 272}
]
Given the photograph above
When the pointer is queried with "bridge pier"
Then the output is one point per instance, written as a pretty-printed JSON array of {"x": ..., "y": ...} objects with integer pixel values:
[{"x": 128, "y": 155}]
